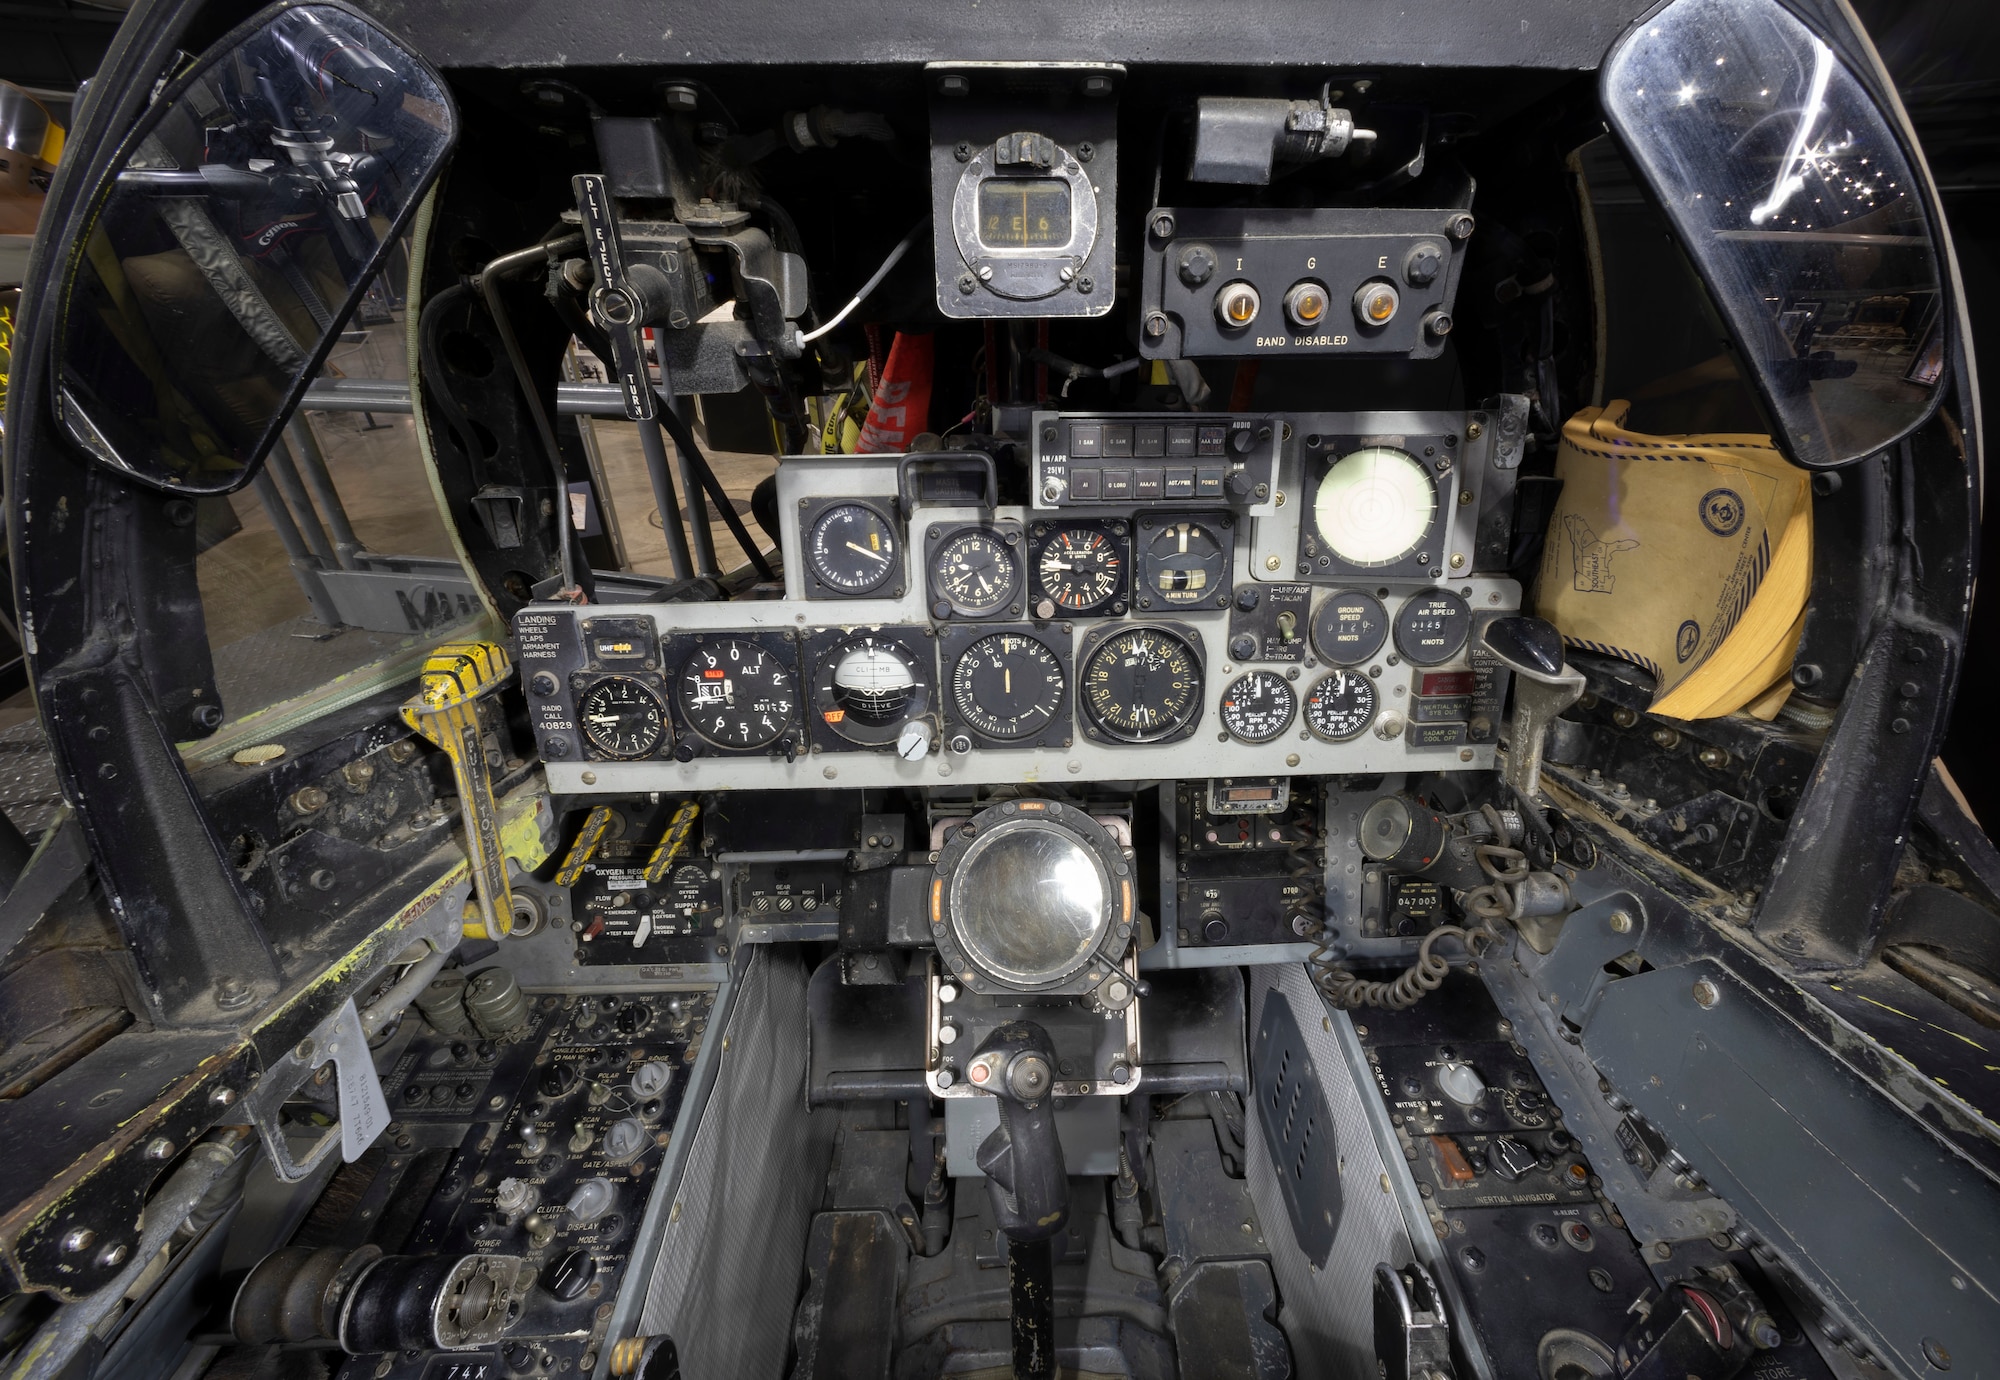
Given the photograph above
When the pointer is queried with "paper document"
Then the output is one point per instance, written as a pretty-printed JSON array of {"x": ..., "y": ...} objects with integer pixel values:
[{"x": 1688, "y": 556}]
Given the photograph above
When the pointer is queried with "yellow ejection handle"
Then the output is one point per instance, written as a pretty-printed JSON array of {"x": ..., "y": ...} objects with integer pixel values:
[
  {"x": 585, "y": 848},
  {"x": 674, "y": 842},
  {"x": 446, "y": 711}
]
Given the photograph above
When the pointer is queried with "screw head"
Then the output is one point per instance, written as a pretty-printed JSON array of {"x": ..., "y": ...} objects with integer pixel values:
[
  {"x": 1935, "y": 1353},
  {"x": 1086, "y": 284},
  {"x": 1459, "y": 227},
  {"x": 1156, "y": 324},
  {"x": 962, "y": 151},
  {"x": 78, "y": 1239},
  {"x": 967, "y": 284},
  {"x": 1706, "y": 994},
  {"x": 1163, "y": 225}
]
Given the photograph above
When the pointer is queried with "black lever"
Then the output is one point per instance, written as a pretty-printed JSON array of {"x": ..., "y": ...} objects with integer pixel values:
[
  {"x": 621, "y": 304},
  {"x": 1026, "y": 1180}
]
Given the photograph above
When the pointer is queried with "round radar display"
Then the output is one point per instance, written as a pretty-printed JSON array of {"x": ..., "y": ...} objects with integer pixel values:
[
  {"x": 622, "y": 719},
  {"x": 1031, "y": 896},
  {"x": 1141, "y": 685},
  {"x": 851, "y": 548},
  {"x": 1258, "y": 707},
  {"x": 1375, "y": 506},
  {"x": 736, "y": 694},
  {"x": 1341, "y": 706}
]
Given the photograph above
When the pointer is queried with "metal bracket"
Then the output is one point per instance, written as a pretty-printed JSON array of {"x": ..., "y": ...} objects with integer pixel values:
[{"x": 338, "y": 1039}]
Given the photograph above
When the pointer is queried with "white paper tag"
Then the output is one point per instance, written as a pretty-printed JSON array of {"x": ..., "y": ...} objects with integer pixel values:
[{"x": 363, "y": 1109}]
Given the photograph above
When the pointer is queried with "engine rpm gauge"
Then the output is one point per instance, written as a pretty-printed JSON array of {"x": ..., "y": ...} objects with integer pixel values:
[
  {"x": 736, "y": 694},
  {"x": 851, "y": 548},
  {"x": 1341, "y": 706},
  {"x": 1007, "y": 686},
  {"x": 1141, "y": 685},
  {"x": 1257, "y": 707},
  {"x": 622, "y": 719},
  {"x": 1375, "y": 506},
  {"x": 976, "y": 572},
  {"x": 1081, "y": 568}
]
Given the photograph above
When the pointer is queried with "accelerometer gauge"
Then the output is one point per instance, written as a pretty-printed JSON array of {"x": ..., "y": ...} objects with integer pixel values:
[
  {"x": 622, "y": 718},
  {"x": 975, "y": 573},
  {"x": 1081, "y": 569},
  {"x": 1375, "y": 506},
  {"x": 736, "y": 694},
  {"x": 1433, "y": 628},
  {"x": 1141, "y": 685},
  {"x": 1257, "y": 707},
  {"x": 1007, "y": 686},
  {"x": 1184, "y": 562},
  {"x": 851, "y": 548},
  {"x": 1340, "y": 706},
  {"x": 865, "y": 687},
  {"x": 1349, "y": 627}
]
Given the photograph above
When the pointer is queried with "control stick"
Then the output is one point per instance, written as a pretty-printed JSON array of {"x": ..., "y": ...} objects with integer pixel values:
[
  {"x": 1026, "y": 1180},
  {"x": 1544, "y": 686}
]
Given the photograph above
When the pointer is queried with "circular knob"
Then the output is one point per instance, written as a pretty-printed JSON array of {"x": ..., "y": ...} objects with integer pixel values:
[
  {"x": 624, "y": 1138},
  {"x": 514, "y": 1195},
  {"x": 1248, "y": 597},
  {"x": 1461, "y": 1083},
  {"x": 913, "y": 744},
  {"x": 542, "y": 683},
  {"x": 1423, "y": 264},
  {"x": 650, "y": 1079},
  {"x": 557, "y": 1080},
  {"x": 1028, "y": 1077},
  {"x": 590, "y": 1200},
  {"x": 1243, "y": 646},
  {"x": 1215, "y": 930},
  {"x": 1197, "y": 265},
  {"x": 571, "y": 1275}
]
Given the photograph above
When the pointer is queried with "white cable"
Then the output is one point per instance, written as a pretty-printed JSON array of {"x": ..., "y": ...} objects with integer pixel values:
[{"x": 895, "y": 256}]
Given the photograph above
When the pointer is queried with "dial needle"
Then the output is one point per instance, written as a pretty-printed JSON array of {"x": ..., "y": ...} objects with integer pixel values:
[{"x": 877, "y": 555}]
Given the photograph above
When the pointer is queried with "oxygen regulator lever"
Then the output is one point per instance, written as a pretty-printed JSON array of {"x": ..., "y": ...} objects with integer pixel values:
[
  {"x": 1544, "y": 686},
  {"x": 1026, "y": 1180}
]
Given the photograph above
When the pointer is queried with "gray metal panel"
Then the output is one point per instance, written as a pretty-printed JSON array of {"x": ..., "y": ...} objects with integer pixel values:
[
  {"x": 1296, "y": 752},
  {"x": 728, "y": 1267},
  {"x": 1558, "y": 34},
  {"x": 1836, "y": 1182},
  {"x": 1328, "y": 1313}
]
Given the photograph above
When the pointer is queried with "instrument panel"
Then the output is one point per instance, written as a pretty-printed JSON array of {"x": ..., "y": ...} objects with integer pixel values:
[{"x": 936, "y": 645}]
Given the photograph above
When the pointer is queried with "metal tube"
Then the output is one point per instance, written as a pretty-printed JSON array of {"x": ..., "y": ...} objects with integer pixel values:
[
  {"x": 312, "y": 468},
  {"x": 701, "y": 531},
  {"x": 663, "y": 494},
  {"x": 304, "y": 568},
  {"x": 392, "y": 1002},
  {"x": 299, "y": 502},
  {"x": 685, "y": 443}
]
